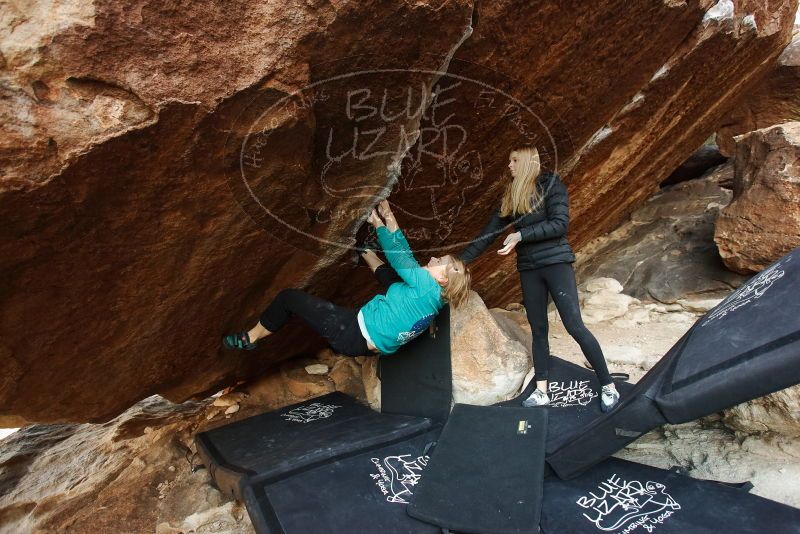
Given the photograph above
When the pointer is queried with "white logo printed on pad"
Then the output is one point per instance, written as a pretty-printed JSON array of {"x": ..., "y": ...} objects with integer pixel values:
[
  {"x": 624, "y": 506},
  {"x": 311, "y": 412},
  {"x": 397, "y": 476},
  {"x": 746, "y": 294},
  {"x": 572, "y": 393}
]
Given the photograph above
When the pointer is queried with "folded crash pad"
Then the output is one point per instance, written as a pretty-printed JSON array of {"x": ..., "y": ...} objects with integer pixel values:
[{"x": 745, "y": 347}]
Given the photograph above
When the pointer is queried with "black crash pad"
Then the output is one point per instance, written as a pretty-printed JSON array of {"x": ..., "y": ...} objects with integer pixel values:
[
  {"x": 485, "y": 475},
  {"x": 274, "y": 443},
  {"x": 364, "y": 492},
  {"x": 618, "y": 496},
  {"x": 418, "y": 379},
  {"x": 745, "y": 347},
  {"x": 574, "y": 399}
]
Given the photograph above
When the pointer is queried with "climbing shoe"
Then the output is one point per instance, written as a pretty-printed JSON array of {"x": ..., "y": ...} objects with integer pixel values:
[
  {"x": 609, "y": 397},
  {"x": 537, "y": 398},
  {"x": 240, "y": 341}
]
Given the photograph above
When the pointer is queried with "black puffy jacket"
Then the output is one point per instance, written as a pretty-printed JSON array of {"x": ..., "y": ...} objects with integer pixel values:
[{"x": 543, "y": 231}]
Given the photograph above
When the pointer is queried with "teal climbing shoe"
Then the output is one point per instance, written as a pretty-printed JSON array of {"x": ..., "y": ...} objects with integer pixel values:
[{"x": 240, "y": 341}]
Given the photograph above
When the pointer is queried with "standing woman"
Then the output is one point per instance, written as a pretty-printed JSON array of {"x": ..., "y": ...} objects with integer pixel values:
[{"x": 537, "y": 205}]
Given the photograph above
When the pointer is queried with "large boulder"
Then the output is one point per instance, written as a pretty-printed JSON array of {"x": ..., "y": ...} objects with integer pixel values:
[
  {"x": 168, "y": 169},
  {"x": 776, "y": 413},
  {"x": 488, "y": 365},
  {"x": 762, "y": 223},
  {"x": 666, "y": 251}
]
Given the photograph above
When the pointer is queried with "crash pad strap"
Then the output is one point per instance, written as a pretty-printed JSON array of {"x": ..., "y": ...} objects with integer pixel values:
[{"x": 738, "y": 360}]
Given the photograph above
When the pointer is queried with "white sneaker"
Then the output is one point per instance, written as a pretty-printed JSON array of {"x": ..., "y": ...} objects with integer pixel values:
[
  {"x": 537, "y": 398},
  {"x": 609, "y": 397}
]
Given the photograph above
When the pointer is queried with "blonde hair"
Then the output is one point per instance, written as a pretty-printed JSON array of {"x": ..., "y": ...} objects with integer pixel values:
[
  {"x": 456, "y": 292},
  {"x": 522, "y": 195}
]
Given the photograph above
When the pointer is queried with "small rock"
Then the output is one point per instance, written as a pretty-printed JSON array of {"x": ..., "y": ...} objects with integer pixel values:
[
  {"x": 605, "y": 305},
  {"x": 638, "y": 315},
  {"x": 328, "y": 357},
  {"x": 346, "y": 376},
  {"x": 317, "y": 369},
  {"x": 701, "y": 306},
  {"x": 171, "y": 469},
  {"x": 302, "y": 385},
  {"x": 232, "y": 409},
  {"x": 608, "y": 284},
  {"x": 623, "y": 354},
  {"x": 678, "y": 317},
  {"x": 623, "y": 322},
  {"x": 229, "y": 399}
]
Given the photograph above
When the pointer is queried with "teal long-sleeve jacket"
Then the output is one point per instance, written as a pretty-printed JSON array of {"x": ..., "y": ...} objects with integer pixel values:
[{"x": 408, "y": 306}]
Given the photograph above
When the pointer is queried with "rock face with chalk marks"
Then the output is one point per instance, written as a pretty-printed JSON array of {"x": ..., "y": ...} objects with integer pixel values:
[{"x": 168, "y": 169}]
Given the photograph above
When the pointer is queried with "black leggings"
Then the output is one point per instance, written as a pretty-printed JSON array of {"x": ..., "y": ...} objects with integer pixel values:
[
  {"x": 337, "y": 324},
  {"x": 559, "y": 281}
]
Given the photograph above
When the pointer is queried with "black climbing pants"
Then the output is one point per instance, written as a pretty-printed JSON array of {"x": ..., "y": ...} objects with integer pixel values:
[
  {"x": 337, "y": 324},
  {"x": 559, "y": 281}
]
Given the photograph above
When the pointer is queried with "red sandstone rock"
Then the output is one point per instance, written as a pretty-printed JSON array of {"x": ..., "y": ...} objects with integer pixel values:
[
  {"x": 762, "y": 223},
  {"x": 633, "y": 104},
  {"x": 158, "y": 189},
  {"x": 123, "y": 251},
  {"x": 775, "y": 100}
]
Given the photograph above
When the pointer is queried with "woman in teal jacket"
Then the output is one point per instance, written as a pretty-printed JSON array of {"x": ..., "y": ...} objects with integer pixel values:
[{"x": 414, "y": 295}]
